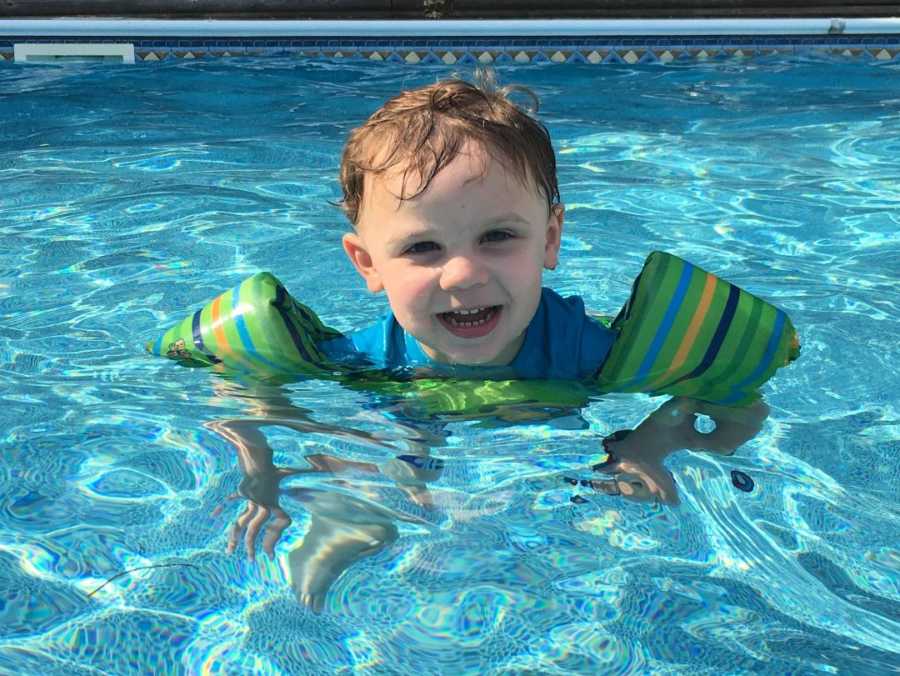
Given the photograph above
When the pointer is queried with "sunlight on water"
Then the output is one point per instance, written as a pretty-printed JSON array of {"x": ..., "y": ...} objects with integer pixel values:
[{"x": 148, "y": 190}]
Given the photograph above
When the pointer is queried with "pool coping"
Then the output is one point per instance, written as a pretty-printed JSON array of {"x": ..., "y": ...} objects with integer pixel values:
[{"x": 125, "y": 26}]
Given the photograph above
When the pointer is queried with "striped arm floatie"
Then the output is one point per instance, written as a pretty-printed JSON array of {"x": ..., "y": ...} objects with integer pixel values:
[
  {"x": 255, "y": 326},
  {"x": 686, "y": 332},
  {"x": 683, "y": 332}
]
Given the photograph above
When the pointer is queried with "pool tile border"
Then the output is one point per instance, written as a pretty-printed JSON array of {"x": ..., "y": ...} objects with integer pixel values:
[{"x": 506, "y": 50}]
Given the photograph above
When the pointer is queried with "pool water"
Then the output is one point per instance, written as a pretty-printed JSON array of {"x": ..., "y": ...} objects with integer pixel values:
[{"x": 131, "y": 195}]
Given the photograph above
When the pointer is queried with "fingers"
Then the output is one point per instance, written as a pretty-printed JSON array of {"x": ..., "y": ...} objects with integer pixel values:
[
  {"x": 315, "y": 602},
  {"x": 254, "y": 524},
  {"x": 274, "y": 531},
  {"x": 248, "y": 525},
  {"x": 420, "y": 496},
  {"x": 608, "y": 466},
  {"x": 237, "y": 529}
]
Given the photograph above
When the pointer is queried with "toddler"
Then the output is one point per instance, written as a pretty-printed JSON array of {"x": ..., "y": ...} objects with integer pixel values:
[
  {"x": 452, "y": 192},
  {"x": 453, "y": 197}
]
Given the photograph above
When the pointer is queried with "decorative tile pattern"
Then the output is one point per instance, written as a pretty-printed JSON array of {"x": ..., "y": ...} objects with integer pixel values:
[{"x": 505, "y": 50}]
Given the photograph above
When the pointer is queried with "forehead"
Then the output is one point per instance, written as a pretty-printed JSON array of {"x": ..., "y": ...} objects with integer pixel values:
[{"x": 473, "y": 172}]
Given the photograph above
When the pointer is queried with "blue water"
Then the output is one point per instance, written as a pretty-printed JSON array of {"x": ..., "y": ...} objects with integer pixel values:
[{"x": 129, "y": 196}]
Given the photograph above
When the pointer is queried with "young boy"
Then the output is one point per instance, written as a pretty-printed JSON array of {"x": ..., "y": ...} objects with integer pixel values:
[
  {"x": 452, "y": 193},
  {"x": 453, "y": 197}
]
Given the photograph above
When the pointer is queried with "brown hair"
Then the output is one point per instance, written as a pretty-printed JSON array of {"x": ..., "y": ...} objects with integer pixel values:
[{"x": 426, "y": 128}]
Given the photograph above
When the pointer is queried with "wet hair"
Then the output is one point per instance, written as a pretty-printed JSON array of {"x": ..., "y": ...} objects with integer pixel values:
[{"x": 422, "y": 130}]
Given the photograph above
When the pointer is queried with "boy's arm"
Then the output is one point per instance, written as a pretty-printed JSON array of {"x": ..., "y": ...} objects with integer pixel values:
[
  {"x": 636, "y": 458},
  {"x": 674, "y": 423}
]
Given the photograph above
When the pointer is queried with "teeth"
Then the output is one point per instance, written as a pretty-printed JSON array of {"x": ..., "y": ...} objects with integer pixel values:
[
  {"x": 468, "y": 324},
  {"x": 457, "y": 317}
]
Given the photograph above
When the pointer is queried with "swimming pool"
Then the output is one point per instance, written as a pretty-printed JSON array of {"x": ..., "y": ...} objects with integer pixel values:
[{"x": 130, "y": 196}]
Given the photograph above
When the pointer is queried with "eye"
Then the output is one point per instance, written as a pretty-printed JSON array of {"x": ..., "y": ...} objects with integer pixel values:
[
  {"x": 497, "y": 236},
  {"x": 421, "y": 248}
]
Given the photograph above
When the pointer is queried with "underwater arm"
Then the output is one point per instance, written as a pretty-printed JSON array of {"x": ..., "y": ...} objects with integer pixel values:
[
  {"x": 636, "y": 457},
  {"x": 259, "y": 485},
  {"x": 674, "y": 425}
]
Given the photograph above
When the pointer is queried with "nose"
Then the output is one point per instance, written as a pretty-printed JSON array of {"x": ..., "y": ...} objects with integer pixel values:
[{"x": 462, "y": 272}]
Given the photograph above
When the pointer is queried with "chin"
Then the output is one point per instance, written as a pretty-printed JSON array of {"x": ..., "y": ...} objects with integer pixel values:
[
  {"x": 475, "y": 361},
  {"x": 463, "y": 357},
  {"x": 481, "y": 359}
]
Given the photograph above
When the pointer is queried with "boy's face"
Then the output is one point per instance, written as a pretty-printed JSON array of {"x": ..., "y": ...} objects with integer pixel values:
[{"x": 461, "y": 263}]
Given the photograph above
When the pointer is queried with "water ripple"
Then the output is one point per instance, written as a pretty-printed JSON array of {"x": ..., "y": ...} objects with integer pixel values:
[{"x": 151, "y": 189}]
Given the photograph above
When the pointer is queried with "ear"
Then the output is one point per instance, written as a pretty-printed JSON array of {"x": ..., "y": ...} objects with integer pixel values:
[
  {"x": 554, "y": 236},
  {"x": 356, "y": 251}
]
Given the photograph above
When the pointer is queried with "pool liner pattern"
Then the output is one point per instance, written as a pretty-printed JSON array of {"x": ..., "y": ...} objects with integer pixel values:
[{"x": 473, "y": 51}]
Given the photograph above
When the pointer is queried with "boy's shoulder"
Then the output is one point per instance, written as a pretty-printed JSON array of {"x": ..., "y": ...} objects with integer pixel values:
[
  {"x": 563, "y": 341},
  {"x": 570, "y": 306},
  {"x": 372, "y": 345}
]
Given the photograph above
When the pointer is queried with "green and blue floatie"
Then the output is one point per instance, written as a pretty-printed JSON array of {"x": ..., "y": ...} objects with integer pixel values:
[{"x": 683, "y": 332}]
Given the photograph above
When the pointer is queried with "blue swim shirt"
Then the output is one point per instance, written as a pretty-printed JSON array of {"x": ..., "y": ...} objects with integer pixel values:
[{"x": 561, "y": 342}]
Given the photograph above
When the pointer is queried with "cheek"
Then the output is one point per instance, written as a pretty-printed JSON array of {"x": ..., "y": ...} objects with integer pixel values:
[
  {"x": 409, "y": 290},
  {"x": 525, "y": 272}
]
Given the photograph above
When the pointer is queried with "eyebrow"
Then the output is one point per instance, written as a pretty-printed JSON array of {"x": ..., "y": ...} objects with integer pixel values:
[
  {"x": 409, "y": 236},
  {"x": 509, "y": 217}
]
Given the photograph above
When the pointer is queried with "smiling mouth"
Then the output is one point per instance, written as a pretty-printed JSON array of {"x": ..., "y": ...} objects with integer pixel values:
[{"x": 472, "y": 323}]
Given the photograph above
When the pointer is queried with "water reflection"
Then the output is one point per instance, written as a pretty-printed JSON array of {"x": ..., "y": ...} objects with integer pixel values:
[
  {"x": 345, "y": 499},
  {"x": 347, "y": 520}
]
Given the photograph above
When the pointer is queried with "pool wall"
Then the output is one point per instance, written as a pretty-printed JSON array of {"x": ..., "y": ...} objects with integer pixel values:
[
  {"x": 449, "y": 9},
  {"x": 470, "y": 42}
]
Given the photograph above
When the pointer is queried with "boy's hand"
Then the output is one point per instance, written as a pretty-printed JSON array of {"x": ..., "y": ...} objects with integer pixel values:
[
  {"x": 261, "y": 489},
  {"x": 636, "y": 457},
  {"x": 635, "y": 464},
  {"x": 411, "y": 474}
]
